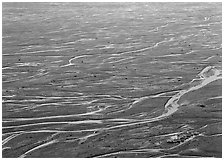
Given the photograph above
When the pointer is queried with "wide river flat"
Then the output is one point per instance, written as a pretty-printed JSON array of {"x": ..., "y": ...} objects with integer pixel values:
[{"x": 111, "y": 80}]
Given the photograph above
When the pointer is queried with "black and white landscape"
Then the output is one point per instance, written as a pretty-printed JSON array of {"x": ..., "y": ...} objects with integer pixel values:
[{"x": 111, "y": 80}]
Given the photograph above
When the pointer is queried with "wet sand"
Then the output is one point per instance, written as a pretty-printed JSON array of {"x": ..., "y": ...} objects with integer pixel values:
[{"x": 111, "y": 80}]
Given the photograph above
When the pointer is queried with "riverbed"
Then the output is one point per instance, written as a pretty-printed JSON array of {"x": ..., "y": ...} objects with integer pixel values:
[{"x": 111, "y": 80}]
